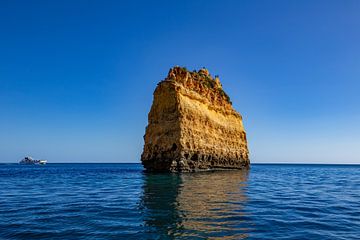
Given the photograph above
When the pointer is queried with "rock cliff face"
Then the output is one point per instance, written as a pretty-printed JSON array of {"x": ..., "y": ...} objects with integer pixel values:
[{"x": 192, "y": 126}]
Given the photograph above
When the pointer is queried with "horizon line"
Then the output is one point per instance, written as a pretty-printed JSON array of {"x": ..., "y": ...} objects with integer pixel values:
[{"x": 256, "y": 163}]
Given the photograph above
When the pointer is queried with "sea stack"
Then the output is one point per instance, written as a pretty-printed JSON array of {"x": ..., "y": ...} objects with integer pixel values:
[{"x": 192, "y": 126}]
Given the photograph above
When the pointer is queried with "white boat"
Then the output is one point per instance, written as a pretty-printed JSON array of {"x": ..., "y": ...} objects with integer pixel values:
[
  {"x": 42, "y": 161},
  {"x": 30, "y": 160}
]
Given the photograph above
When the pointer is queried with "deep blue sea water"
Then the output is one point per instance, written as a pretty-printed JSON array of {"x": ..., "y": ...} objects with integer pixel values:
[{"x": 120, "y": 201}]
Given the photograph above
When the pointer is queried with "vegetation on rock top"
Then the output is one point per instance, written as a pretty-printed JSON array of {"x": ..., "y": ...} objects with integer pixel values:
[{"x": 205, "y": 79}]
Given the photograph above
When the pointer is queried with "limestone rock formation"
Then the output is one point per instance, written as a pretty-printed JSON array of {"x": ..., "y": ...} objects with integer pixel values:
[{"x": 193, "y": 126}]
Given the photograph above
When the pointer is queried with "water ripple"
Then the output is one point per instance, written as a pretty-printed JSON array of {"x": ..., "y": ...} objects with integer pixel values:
[{"x": 116, "y": 201}]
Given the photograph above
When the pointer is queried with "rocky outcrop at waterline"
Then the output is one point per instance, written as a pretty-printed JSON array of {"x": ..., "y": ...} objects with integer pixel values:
[{"x": 193, "y": 126}]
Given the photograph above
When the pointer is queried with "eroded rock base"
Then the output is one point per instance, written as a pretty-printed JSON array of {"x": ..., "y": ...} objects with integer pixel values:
[{"x": 196, "y": 162}]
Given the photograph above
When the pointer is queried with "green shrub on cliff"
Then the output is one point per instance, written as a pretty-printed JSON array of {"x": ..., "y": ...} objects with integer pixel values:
[
  {"x": 223, "y": 94},
  {"x": 209, "y": 82}
]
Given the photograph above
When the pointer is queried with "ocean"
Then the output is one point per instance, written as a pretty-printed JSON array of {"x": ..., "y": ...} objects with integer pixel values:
[{"x": 120, "y": 201}]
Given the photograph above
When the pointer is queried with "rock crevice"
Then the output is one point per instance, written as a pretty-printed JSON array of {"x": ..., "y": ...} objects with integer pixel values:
[{"x": 193, "y": 126}]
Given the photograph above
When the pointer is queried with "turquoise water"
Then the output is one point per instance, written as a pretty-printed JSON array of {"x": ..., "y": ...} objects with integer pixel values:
[{"x": 120, "y": 201}]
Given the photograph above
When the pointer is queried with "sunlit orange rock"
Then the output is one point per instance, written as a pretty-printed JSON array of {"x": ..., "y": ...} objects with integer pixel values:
[{"x": 193, "y": 126}]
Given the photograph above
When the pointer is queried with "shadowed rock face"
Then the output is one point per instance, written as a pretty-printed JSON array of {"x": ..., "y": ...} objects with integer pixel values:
[{"x": 192, "y": 126}]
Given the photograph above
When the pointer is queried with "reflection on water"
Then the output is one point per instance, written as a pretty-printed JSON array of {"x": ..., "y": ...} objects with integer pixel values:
[
  {"x": 206, "y": 204},
  {"x": 119, "y": 201}
]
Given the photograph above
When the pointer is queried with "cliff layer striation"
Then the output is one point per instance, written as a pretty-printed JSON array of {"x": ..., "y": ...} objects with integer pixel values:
[{"x": 192, "y": 126}]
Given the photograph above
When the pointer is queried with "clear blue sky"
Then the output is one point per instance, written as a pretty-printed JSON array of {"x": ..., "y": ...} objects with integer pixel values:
[{"x": 77, "y": 77}]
